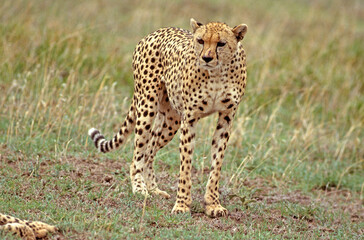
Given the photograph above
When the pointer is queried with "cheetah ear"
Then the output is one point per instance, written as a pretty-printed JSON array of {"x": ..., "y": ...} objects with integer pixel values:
[
  {"x": 240, "y": 31},
  {"x": 194, "y": 25}
]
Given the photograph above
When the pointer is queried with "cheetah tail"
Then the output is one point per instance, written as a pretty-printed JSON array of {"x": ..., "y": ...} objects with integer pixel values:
[{"x": 104, "y": 145}]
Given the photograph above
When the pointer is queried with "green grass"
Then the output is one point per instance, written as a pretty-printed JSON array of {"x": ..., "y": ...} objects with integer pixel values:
[{"x": 295, "y": 163}]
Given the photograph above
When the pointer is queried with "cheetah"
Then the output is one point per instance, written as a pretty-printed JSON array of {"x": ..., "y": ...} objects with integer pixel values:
[
  {"x": 27, "y": 230},
  {"x": 179, "y": 78}
]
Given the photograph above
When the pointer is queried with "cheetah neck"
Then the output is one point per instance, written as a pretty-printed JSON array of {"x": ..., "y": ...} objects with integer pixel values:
[{"x": 217, "y": 73}]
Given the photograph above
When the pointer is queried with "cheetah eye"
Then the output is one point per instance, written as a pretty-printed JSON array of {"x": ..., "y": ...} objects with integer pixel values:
[
  {"x": 200, "y": 41},
  {"x": 221, "y": 44}
]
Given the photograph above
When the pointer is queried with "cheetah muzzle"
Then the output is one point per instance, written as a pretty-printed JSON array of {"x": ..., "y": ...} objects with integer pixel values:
[{"x": 179, "y": 78}]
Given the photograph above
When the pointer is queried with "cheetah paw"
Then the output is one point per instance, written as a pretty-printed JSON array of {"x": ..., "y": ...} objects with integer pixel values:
[
  {"x": 180, "y": 208},
  {"x": 139, "y": 187},
  {"x": 158, "y": 192},
  {"x": 216, "y": 210},
  {"x": 43, "y": 229}
]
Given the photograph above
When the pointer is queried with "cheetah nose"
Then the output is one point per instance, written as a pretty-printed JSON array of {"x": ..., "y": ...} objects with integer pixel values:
[{"x": 207, "y": 59}]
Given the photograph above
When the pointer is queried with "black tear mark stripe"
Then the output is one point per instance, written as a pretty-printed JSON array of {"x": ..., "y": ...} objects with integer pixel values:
[{"x": 217, "y": 55}]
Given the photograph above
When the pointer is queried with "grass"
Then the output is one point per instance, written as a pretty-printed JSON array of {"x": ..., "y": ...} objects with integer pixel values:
[{"x": 295, "y": 163}]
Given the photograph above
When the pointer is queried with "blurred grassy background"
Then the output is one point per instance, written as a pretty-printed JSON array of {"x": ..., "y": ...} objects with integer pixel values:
[{"x": 66, "y": 66}]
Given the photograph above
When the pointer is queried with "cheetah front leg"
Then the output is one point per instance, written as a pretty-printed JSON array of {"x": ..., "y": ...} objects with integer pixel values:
[
  {"x": 28, "y": 230},
  {"x": 186, "y": 147},
  {"x": 219, "y": 142}
]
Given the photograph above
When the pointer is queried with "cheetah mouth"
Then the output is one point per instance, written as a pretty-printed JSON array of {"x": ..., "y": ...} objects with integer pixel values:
[{"x": 208, "y": 66}]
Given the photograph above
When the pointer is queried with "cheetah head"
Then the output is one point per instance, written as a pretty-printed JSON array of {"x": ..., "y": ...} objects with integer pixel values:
[{"x": 216, "y": 43}]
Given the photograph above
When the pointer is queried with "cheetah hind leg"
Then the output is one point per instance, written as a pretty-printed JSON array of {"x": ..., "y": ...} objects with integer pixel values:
[
  {"x": 137, "y": 181},
  {"x": 146, "y": 113},
  {"x": 165, "y": 127},
  {"x": 152, "y": 149}
]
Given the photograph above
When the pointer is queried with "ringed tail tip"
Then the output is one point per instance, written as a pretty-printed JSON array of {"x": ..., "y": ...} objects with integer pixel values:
[{"x": 91, "y": 130}]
